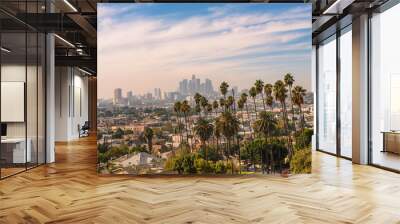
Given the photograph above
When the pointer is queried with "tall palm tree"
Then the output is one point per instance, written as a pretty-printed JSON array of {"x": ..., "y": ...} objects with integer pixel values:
[
  {"x": 215, "y": 106},
  {"x": 289, "y": 80},
  {"x": 204, "y": 103},
  {"x": 298, "y": 93},
  {"x": 259, "y": 85},
  {"x": 253, "y": 94},
  {"x": 240, "y": 104},
  {"x": 197, "y": 100},
  {"x": 268, "y": 94},
  {"x": 185, "y": 109},
  {"x": 280, "y": 93},
  {"x": 228, "y": 125},
  {"x": 243, "y": 97},
  {"x": 265, "y": 125},
  {"x": 204, "y": 129},
  {"x": 148, "y": 134},
  {"x": 209, "y": 109},
  {"x": 222, "y": 104},
  {"x": 229, "y": 103},
  {"x": 177, "y": 109},
  {"x": 224, "y": 89}
]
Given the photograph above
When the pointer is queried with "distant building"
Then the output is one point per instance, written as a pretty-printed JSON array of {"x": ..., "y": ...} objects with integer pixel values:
[
  {"x": 157, "y": 94},
  {"x": 117, "y": 96}
]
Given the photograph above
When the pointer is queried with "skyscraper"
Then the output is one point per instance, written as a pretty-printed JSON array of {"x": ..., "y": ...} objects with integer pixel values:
[
  {"x": 117, "y": 96},
  {"x": 208, "y": 86},
  {"x": 129, "y": 95},
  {"x": 157, "y": 94}
]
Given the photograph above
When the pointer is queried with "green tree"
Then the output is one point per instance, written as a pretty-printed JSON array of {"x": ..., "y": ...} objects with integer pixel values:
[
  {"x": 119, "y": 133},
  {"x": 148, "y": 134},
  {"x": 204, "y": 130},
  {"x": 266, "y": 124},
  {"x": 228, "y": 125}
]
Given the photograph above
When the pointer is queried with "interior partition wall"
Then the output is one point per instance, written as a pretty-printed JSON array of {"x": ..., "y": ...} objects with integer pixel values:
[
  {"x": 334, "y": 94},
  {"x": 385, "y": 89},
  {"x": 22, "y": 77},
  {"x": 326, "y": 97}
]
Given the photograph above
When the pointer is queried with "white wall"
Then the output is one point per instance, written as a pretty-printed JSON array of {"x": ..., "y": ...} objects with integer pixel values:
[{"x": 71, "y": 94}]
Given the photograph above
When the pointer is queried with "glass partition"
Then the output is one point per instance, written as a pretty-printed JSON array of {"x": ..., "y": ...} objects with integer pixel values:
[
  {"x": 13, "y": 94},
  {"x": 327, "y": 95},
  {"x": 346, "y": 92},
  {"x": 385, "y": 89},
  {"x": 22, "y": 88}
]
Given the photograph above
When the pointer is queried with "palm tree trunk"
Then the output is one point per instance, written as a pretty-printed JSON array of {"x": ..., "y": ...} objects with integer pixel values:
[
  {"x": 301, "y": 118},
  {"x": 248, "y": 117},
  {"x": 255, "y": 106},
  {"x": 291, "y": 102},
  {"x": 262, "y": 96}
]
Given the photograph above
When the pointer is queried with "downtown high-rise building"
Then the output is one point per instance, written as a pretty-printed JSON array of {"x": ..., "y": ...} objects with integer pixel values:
[
  {"x": 117, "y": 96},
  {"x": 157, "y": 94}
]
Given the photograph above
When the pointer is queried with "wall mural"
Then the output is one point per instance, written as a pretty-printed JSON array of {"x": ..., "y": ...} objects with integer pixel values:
[{"x": 207, "y": 89}]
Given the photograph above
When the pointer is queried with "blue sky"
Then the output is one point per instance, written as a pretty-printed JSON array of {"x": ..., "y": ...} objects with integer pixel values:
[{"x": 143, "y": 46}]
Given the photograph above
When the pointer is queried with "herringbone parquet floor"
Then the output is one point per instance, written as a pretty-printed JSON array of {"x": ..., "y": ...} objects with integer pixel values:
[{"x": 70, "y": 191}]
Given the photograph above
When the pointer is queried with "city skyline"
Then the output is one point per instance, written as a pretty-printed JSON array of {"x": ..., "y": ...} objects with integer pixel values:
[{"x": 203, "y": 40}]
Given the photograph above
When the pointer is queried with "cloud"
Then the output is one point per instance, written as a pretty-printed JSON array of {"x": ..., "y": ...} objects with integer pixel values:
[{"x": 147, "y": 51}]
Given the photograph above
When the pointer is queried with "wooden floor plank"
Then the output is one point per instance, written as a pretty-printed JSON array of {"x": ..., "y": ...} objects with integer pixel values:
[{"x": 70, "y": 191}]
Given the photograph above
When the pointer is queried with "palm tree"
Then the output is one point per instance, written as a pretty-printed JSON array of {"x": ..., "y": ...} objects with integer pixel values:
[
  {"x": 177, "y": 109},
  {"x": 265, "y": 125},
  {"x": 228, "y": 125},
  {"x": 280, "y": 93},
  {"x": 224, "y": 89},
  {"x": 204, "y": 103},
  {"x": 298, "y": 94},
  {"x": 259, "y": 85},
  {"x": 209, "y": 109},
  {"x": 240, "y": 104},
  {"x": 268, "y": 94},
  {"x": 243, "y": 97},
  {"x": 253, "y": 94},
  {"x": 204, "y": 129},
  {"x": 222, "y": 103},
  {"x": 289, "y": 80},
  {"x": 215, "y": 106},
  {"x": 148, "y": 134},
  {"x": 185, "y": 109},
  {"x": 229, "y": 103},
  {"x": 197, "y": 100}
]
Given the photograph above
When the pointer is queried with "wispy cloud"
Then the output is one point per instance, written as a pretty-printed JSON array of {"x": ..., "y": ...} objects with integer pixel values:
[{"x": 142, "y": 50}]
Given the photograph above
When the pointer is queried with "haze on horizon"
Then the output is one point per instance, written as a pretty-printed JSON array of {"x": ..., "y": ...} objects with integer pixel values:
[{"x": 147, "y": 46}]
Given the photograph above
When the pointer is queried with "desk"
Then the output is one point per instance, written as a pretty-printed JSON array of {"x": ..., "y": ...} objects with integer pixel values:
[
  {"x": 391, "y": 141},
  {"x": 13, "y": 150}
]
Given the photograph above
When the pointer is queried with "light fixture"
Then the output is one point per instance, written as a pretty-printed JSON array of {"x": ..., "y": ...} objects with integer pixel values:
[
  {"x": 70, "y": 5},
  {"x": 84, "y": 71},
  {"x": 64, "y": 40},
  {"x": 5, "y": 50},
  {"x": 337, "y": 7}
]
